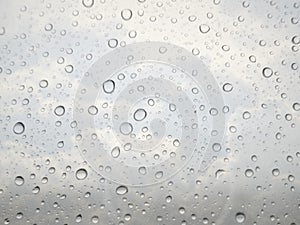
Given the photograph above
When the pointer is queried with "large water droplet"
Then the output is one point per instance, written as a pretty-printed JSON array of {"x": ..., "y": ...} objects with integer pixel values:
[
  {"x": 126, "y": 128},
  {"x": 59, "y": 110},
  {"x": 121, "y": 190},
  {"x": 19, "y": 180},
  {"x": 204, "y": 28},
  {"x": 81, "y": 174},
  {"x": 19, "y": 128},
  {"x": 115, "y": 152},
  {"x": 139, "y": 114},
  {"x": 267, "y": 72},
  {"x": 240, "y": 217},
  {"x": 88, "y": 3},
  {"x": 126, "y": 14},
  {"x": 108, "y": 86}
]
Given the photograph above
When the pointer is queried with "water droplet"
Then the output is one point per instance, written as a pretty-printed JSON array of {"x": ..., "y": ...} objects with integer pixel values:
[
  {"x": 115, "y": 152},
  {"x": 126, "y": 128},
  {"x": 249, "y": 173},
  {"x": 121, "y": 190},
  {"x": 19, "y": 180},
  {"x": 296, "y": 106},
  {"x": 176, "y": 143},
  {"x": 108, "y": 86},
  {"x": 246, "y": 115},
  {"x": 275, "y": 172},
  {"x": 95, "y": 219},
  {"x": 142, "y": 170},
  {"x": 227, "y": 87},
  {"x": 240, "y": 217},
  {"x": 81, "y": 174},
  {"x": 159, "y": 174},
  {"x": 267, "y": 72},
  {"x": 126, "y": 14},
  {"x": 19, "y": 128},
  {"x": 69, "y": 68},
  {"x": 112, "y": 43},
  {"x": 172, "y": 107},
  {"x": 139, "y": 114},
  {"x": 43, "y": 83},
  {"x": 204, "y": 28},
  {"x": 78, "y": 218},
  {"x": 59, "y": 110},
  {"x": 181, "y": 210},
  {"x": 88, "y": 3},
  {"x": 93, "y": 110},
  {"x": 216, "y": 147},
  {"x": 36, "y": 190},
  {"x": 2, "y": 30}
]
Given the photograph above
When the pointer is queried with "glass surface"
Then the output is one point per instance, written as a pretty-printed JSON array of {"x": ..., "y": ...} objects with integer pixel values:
[{"x": 149, "y": 112}]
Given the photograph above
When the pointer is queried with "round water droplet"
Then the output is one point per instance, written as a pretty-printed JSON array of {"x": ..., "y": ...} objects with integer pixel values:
[
  {"x": 112, "y": 43},
  {"x": 159, "y": 174},
  {"x": 43, "y": 83},
  {"x": 121, "y": 190},
  {"x": 108, "y": 86},
  {"x": 176, "y": 143},
  {"x": 267, "y": 72},
  {"x": 126, "y": 14},
  {"x": 204, "y": 28},
  {"x": 95, "y": 219},
  {"x": 78, "y": 218},
  {"x": 19, "y": 128},
  {"x": 81, "y": 174},
  {"x": 216, "y": 147},
  {"x": 93, "y": 110},
  {"x": 115, "y": 152},
  {"x": 59, "y": 110},
  {"x": 249, "y": 173},
  {"x": 275, "y": 172},
  {"x": 246, "y": 115},
  {"x": 227, "y": 87},
  {"x": 296, "y": 106},
  {"x": 126, "y": 128},
  {"x": 172, "y": 107},
  {"x": 142, "y": 170},
  {"x": 69, "y": 68},
  {"x": 240, "y": 217},
  {"x": 88, "y": 3},
  {"x": 19, "y": 180},
  {"x": 139, "y": 114}
]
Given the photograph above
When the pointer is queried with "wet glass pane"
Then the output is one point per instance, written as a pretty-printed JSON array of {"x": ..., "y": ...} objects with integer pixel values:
[{"x": 149, "y": 112}]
